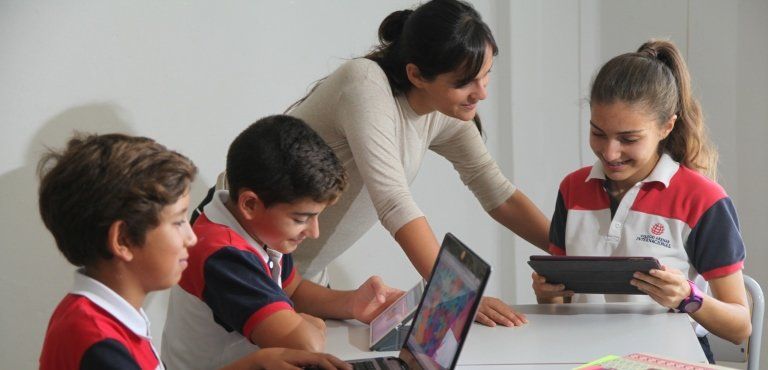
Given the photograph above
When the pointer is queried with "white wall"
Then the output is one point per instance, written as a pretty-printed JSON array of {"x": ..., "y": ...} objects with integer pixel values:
[
  {"x": 193, "y": 74},
  {"x": 750, "y": 125}
]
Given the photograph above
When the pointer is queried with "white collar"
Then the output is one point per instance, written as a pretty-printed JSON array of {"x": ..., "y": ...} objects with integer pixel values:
[
  {"x": 217, "y": 212},
  {"x": 117, "y": 306},
  {"x": 665, "y": 169}
]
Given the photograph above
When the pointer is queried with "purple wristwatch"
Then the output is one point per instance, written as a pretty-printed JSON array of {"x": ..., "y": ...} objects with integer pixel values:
[{"x": 692, "y": 303}]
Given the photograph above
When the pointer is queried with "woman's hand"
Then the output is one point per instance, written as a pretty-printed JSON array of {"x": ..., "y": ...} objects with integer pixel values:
[
  {"x": 667, "y": 286},
  {"x": 494, "y": 311},
  {"x": 548, "y": 293}
]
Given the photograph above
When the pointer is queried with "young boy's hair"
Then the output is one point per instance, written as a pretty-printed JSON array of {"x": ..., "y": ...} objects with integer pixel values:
[
  {"x": 99, "y": 179},
  {"x": 281, "y": 159}
]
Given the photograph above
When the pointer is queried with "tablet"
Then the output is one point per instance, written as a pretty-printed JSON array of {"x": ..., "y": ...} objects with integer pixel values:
[
  {"x": 385, "y": 328},
  {"x": 588, "y": 274}
]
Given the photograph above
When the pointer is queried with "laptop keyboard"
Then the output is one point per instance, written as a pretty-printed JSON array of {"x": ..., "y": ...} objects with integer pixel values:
[
  {"x": 368, "y": 365},
  {"x": 372, "y": 364}
]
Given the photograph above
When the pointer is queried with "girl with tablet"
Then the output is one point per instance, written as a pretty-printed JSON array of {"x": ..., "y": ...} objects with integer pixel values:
[{"x": 652, "y": 192}]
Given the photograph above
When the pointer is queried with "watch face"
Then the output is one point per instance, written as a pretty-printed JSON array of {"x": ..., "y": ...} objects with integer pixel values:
[{"x": 692, "y": 306}]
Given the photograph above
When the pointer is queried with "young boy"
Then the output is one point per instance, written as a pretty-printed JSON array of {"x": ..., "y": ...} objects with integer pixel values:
[
  {"x": 242, "y": 291},
  {"x": 117, "y": 207}
]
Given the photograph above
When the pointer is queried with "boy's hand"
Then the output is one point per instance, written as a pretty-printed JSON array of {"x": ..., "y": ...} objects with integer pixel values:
[
  {"x": 372, "y": 297},
  {"x": 548, "y": 293},
  {"x": 283, "y": 358},
  {"x": 667, "y": 286}
]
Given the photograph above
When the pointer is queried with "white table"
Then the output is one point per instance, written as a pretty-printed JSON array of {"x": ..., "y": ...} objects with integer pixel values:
[{"x": 556, "y": 337}]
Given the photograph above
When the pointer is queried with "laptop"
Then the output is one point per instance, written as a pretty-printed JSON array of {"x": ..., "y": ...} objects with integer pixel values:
[{"x": 445, "y": 314}]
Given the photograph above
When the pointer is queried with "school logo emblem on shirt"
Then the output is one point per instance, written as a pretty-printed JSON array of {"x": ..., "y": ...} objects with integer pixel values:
[
  {"x": 655, "y": 236},
  {"x": 657, "y": 229}
]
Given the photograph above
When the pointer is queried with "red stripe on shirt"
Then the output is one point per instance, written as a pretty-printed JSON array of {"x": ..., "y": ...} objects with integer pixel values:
[
  {"x": 723, "y": 271},
  {"x": 581, "y": 197},
  {"x": 555, "y": 250},
  {"x": 288, "y": 280},
  {"x": 687, "y": 198},
  {"x": 262, "y": 314}
]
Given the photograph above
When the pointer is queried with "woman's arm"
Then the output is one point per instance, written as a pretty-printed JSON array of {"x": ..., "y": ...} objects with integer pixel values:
[
  {"x": 523, "y": 218},
  {"x": 420, "y": 245}
]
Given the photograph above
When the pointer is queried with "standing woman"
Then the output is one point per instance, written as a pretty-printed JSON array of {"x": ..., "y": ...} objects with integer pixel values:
[{"x": 418, "y": 90}]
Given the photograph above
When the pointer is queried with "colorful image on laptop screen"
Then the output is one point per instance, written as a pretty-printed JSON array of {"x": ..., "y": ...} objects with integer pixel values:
[{"x": 447, "y": 306}]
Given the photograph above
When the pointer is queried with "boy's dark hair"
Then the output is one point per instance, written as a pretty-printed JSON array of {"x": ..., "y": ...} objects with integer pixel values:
[
  {"x": 99, "y": 179},
  {"x": 281, "y": 159}
]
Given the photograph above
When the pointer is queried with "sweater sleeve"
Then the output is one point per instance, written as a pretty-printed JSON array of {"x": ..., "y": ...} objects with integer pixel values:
[
  {"x": 461, "y": 143},
  {"x": 367, "y": 116}
]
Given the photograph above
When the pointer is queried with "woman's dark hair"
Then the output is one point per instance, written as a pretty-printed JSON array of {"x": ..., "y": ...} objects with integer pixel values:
[
  {"x": 440, "y": 36},
  {"x": 656, "y": 78}
]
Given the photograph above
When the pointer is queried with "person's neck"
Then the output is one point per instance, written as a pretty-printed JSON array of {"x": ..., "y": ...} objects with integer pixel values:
[
  {"x": 617, "y": 189},
  {"x": 232, "y": 208},
  {"x": 116, "y": 277},
  {"x": 418, "y": 102}
]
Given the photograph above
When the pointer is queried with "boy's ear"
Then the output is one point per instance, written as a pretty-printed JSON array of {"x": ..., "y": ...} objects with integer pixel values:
[
  {"x": 414, "y": 75},
  {"x": 117, "y": 241},
  {"x": 249, "y": 204}
]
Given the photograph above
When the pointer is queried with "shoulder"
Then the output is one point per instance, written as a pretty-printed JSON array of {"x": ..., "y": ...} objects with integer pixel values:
[
  {"x": 360, "y": 68},
  {"x": 576, "y": 179},
  {"x": 694, "y": 194},
  {"x": 360, "y": 74},
  {"x": 77, "y": 314},
  {"x": 77, "y": 324},
  {"x": 696, "y": 186},
  {"x": 579, "y": 191},
  {"x": 688, "y": 196},
  {"x": 212, "y": 236},
  {"x": 218, "y": 247}
]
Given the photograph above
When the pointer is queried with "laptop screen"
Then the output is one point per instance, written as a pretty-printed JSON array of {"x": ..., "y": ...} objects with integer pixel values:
[{"x": 448, "y": 306}]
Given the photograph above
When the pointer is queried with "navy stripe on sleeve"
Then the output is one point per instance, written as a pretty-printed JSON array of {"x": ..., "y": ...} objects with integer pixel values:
[
  {"x": 287, "y": 267},
  {"x": 108, "y": 354},
  {"x": 559, "y": 219},
  {"x": 237, "y": 286},
  {"x": 715, "y": 242}
]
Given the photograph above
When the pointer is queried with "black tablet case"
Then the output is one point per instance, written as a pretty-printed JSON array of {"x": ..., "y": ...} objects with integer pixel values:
[{"x": 601, "y": 275}]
